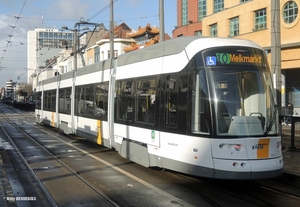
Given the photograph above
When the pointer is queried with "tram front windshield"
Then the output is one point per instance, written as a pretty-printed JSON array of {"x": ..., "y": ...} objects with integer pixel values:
[{"x": 241, "y": 92}]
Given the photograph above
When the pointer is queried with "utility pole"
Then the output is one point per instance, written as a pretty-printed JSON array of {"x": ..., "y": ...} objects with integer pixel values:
[
  {"x": 161, "y": 21},
  {"x": 75, "y": 49},
  {"x": 111, "y": 37},
  {"x": 276, "y": 48},
  {"x": 111, "y": 98}
]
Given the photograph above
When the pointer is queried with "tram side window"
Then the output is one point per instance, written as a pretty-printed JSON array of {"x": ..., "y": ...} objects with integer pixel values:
[
  {"x": 53, "y": 100},
  {"x": 89, "y": 100},
  {"x": 49, "y": 100},
  {"x": 61, "y": 100},
  {"x": 38, "y": 100},
  {"x": 64, "y": 105},
  {"x": 125, "y": 99},
  {"x": 79, "y": 100},
  {"x": 45, "y": 107},
  {"x": 145, "y": 99},
  {"x": 200, "y": 105},
  {"x": 101, "y": 95},
  {"x": 171, "y": 102}
]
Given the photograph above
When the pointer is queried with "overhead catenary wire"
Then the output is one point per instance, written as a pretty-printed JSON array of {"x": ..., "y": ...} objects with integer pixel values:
[
  {"x": 15, "y": 24},
  {"x": 100, "y": 11},
  {"x": 11, "y": 34}
]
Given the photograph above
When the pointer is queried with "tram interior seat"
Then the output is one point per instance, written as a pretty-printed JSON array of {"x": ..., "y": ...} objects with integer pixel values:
[
  {"x": 245, "y": 125},
  {"x": 261, "y": 118}
]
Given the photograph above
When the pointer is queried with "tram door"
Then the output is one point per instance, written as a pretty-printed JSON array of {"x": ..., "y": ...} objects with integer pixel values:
[
  {"x": 175, "y": 106},
  {"x": 171, "y": 102}
]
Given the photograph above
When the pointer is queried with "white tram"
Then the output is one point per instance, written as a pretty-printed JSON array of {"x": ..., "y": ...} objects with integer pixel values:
[{"x": 200, "y": 106}]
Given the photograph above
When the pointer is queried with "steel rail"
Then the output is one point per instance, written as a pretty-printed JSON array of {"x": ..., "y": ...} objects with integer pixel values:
[{"x": 99, "y": 192}]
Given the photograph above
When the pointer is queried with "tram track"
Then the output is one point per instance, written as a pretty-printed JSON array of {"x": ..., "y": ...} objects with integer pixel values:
[
  {"x": 128, "y": 183},
  {"x": 49, "y": 198},
  {"x": 71, "y": 151},
  {"x": 211, "y": 191},
  {"x": 75, "y": 151},
  {"x": 22, "y": 151},
  {"x": 257, "y": 193}
]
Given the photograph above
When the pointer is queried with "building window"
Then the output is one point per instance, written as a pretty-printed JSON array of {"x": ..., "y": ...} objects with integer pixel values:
[
  {"x": 260, "y": 20},
  {"x": 55, "y": 39},
  {"x": 218, "y": 5},
  {"x": 214, "y": 30},
  {"x": 198, "y": 33},
  {"x": 290, "y": 12},
  {"x": 234, "y": 27},
  {"x": 201, "y": 9},
  {"x": 243, "y": 1},
  {"x": 97, "y": 55},
  {"x": 184, "y": 12}
]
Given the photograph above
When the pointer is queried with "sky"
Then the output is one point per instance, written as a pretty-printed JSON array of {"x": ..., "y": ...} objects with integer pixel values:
[{"x": 19, "y": 16}]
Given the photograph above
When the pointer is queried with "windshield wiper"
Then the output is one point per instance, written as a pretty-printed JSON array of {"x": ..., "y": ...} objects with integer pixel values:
[
  {"x": 271, "y": 124},
  {"x": 273, "y": 114}
]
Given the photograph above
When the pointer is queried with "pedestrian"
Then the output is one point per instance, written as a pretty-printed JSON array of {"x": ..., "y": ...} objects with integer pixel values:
[{"x": 290, "y": 113}]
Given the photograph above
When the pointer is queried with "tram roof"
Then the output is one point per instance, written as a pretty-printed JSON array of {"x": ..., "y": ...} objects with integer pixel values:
[
  {"x": 169, "y": 47},
  {"x": 177, "y": 45}
]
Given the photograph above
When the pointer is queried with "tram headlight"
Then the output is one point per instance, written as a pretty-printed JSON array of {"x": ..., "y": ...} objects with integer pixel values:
[{"x": 237, "y": 147}]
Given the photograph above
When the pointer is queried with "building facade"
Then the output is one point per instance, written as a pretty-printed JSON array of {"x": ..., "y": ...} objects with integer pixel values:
[
  {"x": 44, "y": 44},
  {"x": 99, "y": 49},
  {"x": 252, "y": 20},
  {"x": 9, "y": 90}
]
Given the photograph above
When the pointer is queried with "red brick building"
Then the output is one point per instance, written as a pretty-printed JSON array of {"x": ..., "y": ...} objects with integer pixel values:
[{"x": 188, "y": 19}]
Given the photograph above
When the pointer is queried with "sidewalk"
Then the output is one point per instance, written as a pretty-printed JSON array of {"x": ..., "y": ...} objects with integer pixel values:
[{"x": 291, "y": 157}]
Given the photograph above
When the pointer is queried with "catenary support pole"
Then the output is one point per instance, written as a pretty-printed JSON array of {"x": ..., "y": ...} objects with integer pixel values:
[
  {"x": 276, "y": 48},
  {"x": 161, "y": 21}
]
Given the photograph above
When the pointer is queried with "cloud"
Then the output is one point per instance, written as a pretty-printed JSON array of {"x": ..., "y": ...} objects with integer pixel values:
[
  {"x": 12, "y": 52},
  {"x": 136, "y": 3},
  {"x": 69, "y": 9}
]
